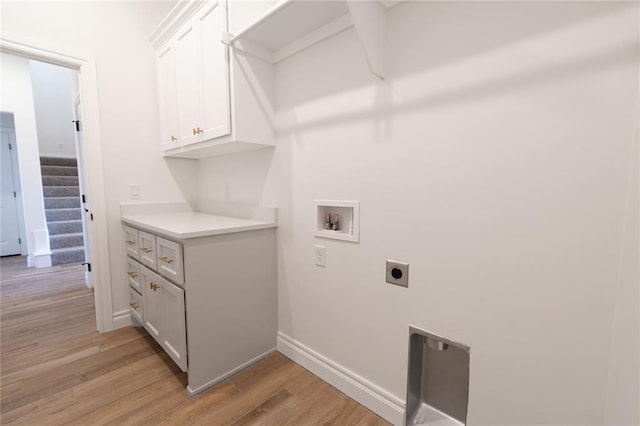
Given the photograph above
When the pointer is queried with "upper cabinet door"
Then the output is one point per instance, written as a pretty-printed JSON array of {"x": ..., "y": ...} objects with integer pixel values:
[
  {"x": 216, "y": 117},
  {"x": 168, "y": 97},
  {"x": 202, "y": 73},
  {"x": 187, "y": 45}
]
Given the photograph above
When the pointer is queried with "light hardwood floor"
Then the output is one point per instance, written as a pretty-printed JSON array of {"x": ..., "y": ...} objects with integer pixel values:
[{"x": 56, "y": 369}]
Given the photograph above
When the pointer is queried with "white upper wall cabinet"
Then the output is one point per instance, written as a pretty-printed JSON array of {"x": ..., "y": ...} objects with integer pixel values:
[{"x": 212, "y": 100}]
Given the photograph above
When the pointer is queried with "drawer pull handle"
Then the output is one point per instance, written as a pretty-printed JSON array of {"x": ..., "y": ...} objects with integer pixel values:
[
  {"x": 130, "y": 242},
  {"x": 153, "y": 286},
  {"x": 132, "y": 274},
  {"x": 146, "y": 250},
  {"x": 173, "y": 138},
  {"x": 166, "y": 259},
  {"x": 134, "y": 305}
]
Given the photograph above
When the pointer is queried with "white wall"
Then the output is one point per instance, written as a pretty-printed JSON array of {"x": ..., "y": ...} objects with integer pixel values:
[
  {"x": 623, "y": 391},
  {"x": 52, "y": 88},
  {"x": 17, "y": 98},
  {"x": 493, "y": 159},
  {"x": 116, "y": 34}
]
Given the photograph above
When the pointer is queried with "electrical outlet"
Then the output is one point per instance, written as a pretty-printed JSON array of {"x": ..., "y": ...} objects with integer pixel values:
[
  {"x": 320, "y": 255},
  {"x": 397, "y": 273}
]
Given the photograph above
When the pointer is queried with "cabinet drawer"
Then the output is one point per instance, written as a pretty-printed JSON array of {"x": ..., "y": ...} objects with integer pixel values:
[
  {"x": 170, "y": 260},
  {"x": 135, "y": 305},
  {"x": 147, "y": 248},
  {"x": 131, "y": 241},
  {"x": 133, "y": 273}
]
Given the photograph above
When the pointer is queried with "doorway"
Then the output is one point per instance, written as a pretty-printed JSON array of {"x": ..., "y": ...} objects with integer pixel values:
[
  {"x": 12, "y": 232},
  {"x": 43, "y": 103},
  {"x": 92, "y": 159},
  {"x": 54, "y": 89}
]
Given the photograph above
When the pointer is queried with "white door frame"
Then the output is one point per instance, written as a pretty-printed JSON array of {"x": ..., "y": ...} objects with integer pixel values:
[{"x": 99, "y": 248}]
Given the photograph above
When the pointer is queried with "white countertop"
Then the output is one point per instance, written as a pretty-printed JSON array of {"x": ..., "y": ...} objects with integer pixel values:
[{"x": 183, "y": 225}]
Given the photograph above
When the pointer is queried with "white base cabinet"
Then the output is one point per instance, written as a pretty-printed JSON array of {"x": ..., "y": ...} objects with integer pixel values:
[
  {"x": 231, "y": 300},
  {"x": 224, "y": 317}
]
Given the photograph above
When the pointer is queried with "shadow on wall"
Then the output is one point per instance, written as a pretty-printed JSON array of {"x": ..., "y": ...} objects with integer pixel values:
[
  {"x": 236, "y": 180},
  {"x": 184, "y": 172},
  {"x": 483, "y": 27}
]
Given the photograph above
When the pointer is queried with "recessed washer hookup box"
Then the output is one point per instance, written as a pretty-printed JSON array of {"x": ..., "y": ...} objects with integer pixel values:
[{"x": 437, "y": 380}]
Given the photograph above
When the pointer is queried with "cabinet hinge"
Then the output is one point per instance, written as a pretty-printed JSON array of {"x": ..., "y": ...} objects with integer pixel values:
[{"x": 88, "y": 266}]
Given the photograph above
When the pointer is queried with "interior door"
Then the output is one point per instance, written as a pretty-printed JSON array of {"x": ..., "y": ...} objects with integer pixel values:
[
  {"x": 10, "y": 235},
  {"x": 83, "y": 190}
]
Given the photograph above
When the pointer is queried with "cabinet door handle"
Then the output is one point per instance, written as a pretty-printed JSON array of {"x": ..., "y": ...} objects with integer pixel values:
[
  {"x": 195, "y": 132},
  {"x": 199, "y": 130},
  {"x": 173, "y": 138},
  {"x": 133, "y": 305},
  {"x": 130, "y": 242},
  {"x": 132, "y": 274},
  {"x": 146, "y": 250},
  {"x": 166, "y": 259},
  {"x": 153, "y": 286}
]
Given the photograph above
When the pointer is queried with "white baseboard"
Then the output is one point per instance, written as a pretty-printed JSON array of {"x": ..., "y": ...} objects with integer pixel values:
[
  {"x": 39, "y": 260},
  {"x": 366, "y": 393},
  {"x": 121, "y": 319},
  {"x": 228, "y": 374}
]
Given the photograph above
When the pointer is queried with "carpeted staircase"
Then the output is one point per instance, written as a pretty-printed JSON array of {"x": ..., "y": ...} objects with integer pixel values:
[{"x": 62, "y": 208}]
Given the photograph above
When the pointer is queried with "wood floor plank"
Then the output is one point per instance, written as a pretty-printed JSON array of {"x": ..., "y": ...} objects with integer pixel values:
[
  {"x": 55, "y": 369},
  {"x": 270, "y": 412},
  {"x": 188, "y": 412}
]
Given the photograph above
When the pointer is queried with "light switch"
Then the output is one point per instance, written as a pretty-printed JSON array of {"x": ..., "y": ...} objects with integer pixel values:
[
  {"x": 320, "y": 255},
  {"x": 135, "y": 192}
]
